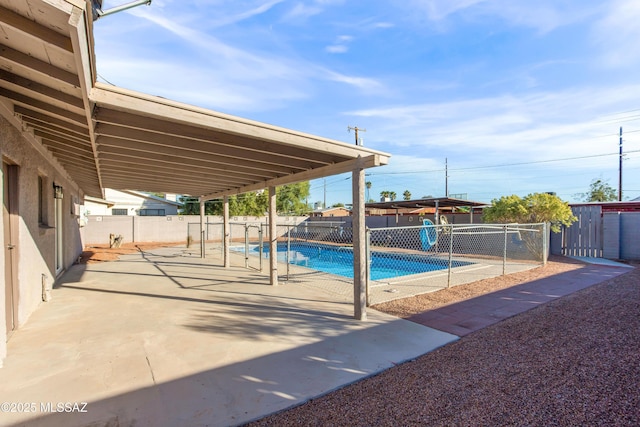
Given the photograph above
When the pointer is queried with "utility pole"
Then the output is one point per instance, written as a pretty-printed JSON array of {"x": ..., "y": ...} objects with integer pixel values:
[
  {"x": 356, "y": 129},
  {"x": 324, "y": 203},
  {"x": 620, "y": 169},
  {"x": 446, "y": 178}
]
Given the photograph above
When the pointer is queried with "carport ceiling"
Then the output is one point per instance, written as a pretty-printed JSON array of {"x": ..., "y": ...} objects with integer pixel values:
[{"x": 108, "y": 137}]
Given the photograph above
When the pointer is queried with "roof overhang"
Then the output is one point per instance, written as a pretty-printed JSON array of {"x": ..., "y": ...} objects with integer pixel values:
[
  {"x": 433, "y": 202},
  {"x": 108, "y": 137}
]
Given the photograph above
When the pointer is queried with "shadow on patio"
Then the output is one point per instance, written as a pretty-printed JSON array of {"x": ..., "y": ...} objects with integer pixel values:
[{"x": 165, "y": 338}]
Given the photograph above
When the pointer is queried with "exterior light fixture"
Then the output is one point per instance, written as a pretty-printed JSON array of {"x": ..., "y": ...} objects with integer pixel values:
[
  {"x": 96, "y": 6},
  {"x": 57, "y": 192}
]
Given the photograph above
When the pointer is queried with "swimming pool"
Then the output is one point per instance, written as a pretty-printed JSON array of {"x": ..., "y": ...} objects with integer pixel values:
[{"x": 339, "y": 260}]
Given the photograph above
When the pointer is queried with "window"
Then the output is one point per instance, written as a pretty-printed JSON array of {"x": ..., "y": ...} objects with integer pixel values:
[
  {"x": 42, "y": 216},
  {"x": 151, "y": 212},
  {"x": 118, "y": 211}
]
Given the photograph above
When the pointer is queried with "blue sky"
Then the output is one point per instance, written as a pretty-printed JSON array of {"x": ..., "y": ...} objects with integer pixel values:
[{"x": 518, "y": 96}]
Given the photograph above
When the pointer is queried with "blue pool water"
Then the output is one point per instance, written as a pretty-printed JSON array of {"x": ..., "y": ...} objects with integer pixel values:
[{"x": 339, "y": 260}]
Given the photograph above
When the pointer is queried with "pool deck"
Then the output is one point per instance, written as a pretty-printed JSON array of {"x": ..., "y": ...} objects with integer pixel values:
[{"x": 164, "y": 338}]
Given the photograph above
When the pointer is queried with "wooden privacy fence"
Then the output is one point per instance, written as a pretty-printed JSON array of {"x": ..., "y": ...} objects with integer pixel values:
[
  {"x": 598, "y": 234},
  {"x": 584, "y": 237}
]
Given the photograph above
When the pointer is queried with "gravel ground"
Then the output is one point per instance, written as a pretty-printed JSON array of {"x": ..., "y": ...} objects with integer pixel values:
[
  {"x": 572, "y": 362},
  {"x": 407, "y": 307}
]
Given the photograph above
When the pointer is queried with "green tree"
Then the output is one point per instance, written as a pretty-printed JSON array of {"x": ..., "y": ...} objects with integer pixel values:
[
  {"x": 392, "y": 195},
  {"x": 406, "y": 195},
  {"x": 600, "y": 191},
  {"x": 534, "y": 208},
  {"x": 368, "y": 185},
  {"x": 290, "y": 199},
  {"x": 337, "y": 205},
  {"x": 384, "y": 195}
]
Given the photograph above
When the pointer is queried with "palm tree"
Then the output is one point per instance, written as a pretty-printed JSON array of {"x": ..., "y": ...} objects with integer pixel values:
[
  {"x": 368, "y": 185},
  {"x": 406, "y": 195},
  {"x": 383, "y": 195},
  {"x": 392, "y": 194}
]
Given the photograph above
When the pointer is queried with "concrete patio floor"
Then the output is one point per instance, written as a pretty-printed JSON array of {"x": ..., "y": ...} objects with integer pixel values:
[{"x": 164, "y": 338}]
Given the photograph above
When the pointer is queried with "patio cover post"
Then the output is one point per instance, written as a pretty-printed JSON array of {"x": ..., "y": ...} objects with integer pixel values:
[
  {"x": 203, "y": 232},
  {"x": 273, "y": 238},
  {"x": 225, "y": 231},
  {"x": 359, "y": 248}
]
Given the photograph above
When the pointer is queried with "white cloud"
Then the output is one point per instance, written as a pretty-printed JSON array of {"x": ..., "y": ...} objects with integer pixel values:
[
  {"x": 363, "y": 83},
  {"x": 337, "y": 48},
  {"x": 534, "y": 127},
  {"x": 341, "y": 45},
  {"x": 541, "y": 15},
  {"x": 618, "y": 33}
]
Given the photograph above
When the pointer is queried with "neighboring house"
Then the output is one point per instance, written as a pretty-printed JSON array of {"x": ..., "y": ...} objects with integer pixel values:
[
  {"x": 131, "y": 203},
  {"x": 329, "y": 212}
]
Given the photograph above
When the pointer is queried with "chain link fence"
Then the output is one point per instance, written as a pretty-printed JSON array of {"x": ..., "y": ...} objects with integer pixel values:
[
  {"x": 401, "y": 261},
  {"x": 213, "y": 237},
  {"x": 405, "y": 261}
]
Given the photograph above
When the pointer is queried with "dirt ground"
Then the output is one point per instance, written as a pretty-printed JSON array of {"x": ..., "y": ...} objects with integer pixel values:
[
  {"x": 407, "y": 307},
  {"x": 101, "y": 253}
]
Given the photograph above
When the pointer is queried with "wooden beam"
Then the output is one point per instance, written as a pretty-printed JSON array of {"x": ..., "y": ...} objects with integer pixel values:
[
  {"x": 143, "y": 128},
  {"x": 76, "y": 143},
  {"x": 38, "y": 124},
  {"x": 347, "y": 166},
  {"x": 41, "y": 89},
  {"x": 196, "y": 152},
  {"x": 133, "y": 165},
  {"x": 181, "y": 114},
  {"x": 34, "y": 30},
  {"x": 41, "y": 105},
  {"x": 133, "y": 175},
  {"x": 85, "y": 64},
  {"x": 164, "y": 165},
  {"x": 151, "y": 184},
  {"x": 74, "y": 140},
  {"x": 43, "y": 68},
  {"x": 26, "y": 112}
]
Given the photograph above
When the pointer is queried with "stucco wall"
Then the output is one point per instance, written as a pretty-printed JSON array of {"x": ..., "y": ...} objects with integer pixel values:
[
  {"x": 35, "y": 249},
  {"x": 173, "y": 228}
]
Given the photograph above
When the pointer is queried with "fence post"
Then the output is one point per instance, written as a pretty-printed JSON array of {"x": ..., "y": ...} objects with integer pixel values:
[
  {"x": 545, "y": 244},
  {"x": 367, "y": 248},
  {"x": 450, "y": 257},
  {"x": 288, "y": 248},
  {"x": 246, "y": 245},
  {"x": 504, "y": 252},
  {"x": 260, "y": 242}
]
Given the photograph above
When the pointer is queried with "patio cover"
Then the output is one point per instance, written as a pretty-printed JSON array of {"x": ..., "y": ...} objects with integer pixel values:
[
  {"x": 431, "y": 202},
  {"x": 108, "y": 137}
]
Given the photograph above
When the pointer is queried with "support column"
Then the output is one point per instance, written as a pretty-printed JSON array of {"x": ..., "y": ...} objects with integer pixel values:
[
  {"x": 273, "y": 238},
  {"x": 203, "y": 231},
  {"x": 359, "y": 248},
  {"x": 226, "y": 231}
]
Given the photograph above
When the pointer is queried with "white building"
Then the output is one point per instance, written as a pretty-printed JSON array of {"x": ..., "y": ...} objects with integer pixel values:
[{"x": 130, "y": 203}]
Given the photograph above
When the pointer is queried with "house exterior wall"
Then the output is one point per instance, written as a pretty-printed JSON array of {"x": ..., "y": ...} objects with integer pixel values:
[
  {"x": 35, "y": 250},
  {"x": 131, "y": 202}
]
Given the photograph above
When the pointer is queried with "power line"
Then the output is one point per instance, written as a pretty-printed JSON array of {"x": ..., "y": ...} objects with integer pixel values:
[{"x": 505, "y": 164}]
